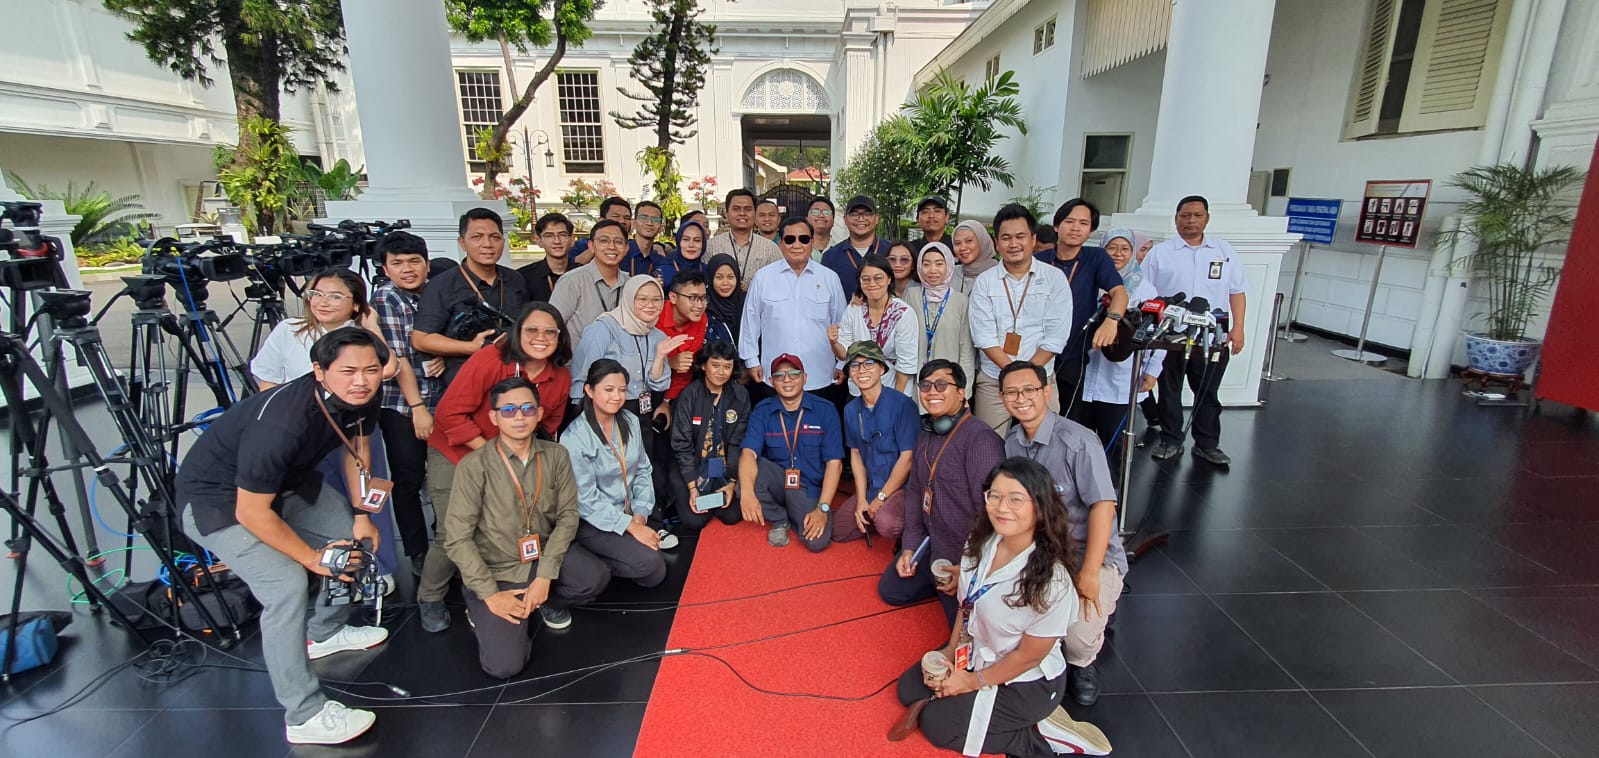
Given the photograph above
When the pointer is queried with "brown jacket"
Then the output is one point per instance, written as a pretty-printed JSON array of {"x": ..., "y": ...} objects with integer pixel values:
[{"x": 486, "y": 519}]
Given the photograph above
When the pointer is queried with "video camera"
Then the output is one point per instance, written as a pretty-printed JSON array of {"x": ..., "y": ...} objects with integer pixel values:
[
  {"x": 296, "y": 256},
  {"x": 192, "y": 265},
  {"x": 357, "y": 562},
  {"x": 470, "y": 320},
  {"x": 355, "y": 239},
  {"x": 32, "y": 259}
]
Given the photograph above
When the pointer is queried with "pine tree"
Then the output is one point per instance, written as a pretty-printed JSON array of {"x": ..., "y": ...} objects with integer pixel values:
[{"x": 670, "y": 65}]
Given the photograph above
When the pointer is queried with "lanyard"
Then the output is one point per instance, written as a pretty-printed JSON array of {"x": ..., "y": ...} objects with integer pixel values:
[
  {"x": 467, "y": 275},
  {"x": 933, "y": 468},
  {"x": 1075, "y": 263},
  {"x": 749, "y": 250},
  {"x": 931, "y": 321},
  {"x": 643, "y": 365},
  {"x": 1016, "y": 307},
  {"x": 627, "y": 492},
  {"x": 713, "y": 429},
  {"x": 792, "y": 446},
  {"x": 600, "y": 291},
  {"x": 538, "y": 487},
  {"x": 360, "y": 465}
]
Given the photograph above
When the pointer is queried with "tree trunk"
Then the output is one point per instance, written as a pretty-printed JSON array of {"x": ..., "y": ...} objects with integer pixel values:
[
  {"x": 502, "y": 129},
  {"x": 663, "y": 118},
  {"x": 256, "y": 76}
]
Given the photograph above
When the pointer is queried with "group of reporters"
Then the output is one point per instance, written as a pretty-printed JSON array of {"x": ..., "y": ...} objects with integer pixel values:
[{"x": 625, "y": 383}]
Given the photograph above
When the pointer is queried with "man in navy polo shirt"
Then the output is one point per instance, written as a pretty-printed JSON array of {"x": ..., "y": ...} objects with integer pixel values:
[
  {"x": 880, "y": 429},
  {"x": 1089, "y": 270},
  {"x": 793, "y": 457},
  {"x": 844, "y": 259}
]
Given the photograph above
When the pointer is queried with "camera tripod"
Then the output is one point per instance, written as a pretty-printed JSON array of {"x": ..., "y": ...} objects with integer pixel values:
[
  {"x": 154, "y": 523},
  {"x": 265, "y": 291}
]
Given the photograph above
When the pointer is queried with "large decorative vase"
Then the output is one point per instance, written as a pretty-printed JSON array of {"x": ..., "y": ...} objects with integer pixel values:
[{"x": 1500, "y": 357}]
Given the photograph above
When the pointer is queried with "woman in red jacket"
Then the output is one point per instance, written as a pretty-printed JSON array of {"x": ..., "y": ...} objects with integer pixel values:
[{"x": 538, "y": 350}]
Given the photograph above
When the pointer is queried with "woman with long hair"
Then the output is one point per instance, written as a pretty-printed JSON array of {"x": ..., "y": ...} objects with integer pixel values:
[
  {"x": 995, "y": 688},
  {"x": 615, "y": 494},
  {"x": 902, "y": 259},
  {"x": 333, "y": 298},
  {"x": 974, "y": 249},
  {"x": 724, "y": 308},
  {"x": 882, "y": 318},
  {"x": 689, "y": 255},
  {"x": 941, "y": 310}
]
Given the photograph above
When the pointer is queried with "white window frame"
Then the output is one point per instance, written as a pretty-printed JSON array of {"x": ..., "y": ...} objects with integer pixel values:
[
  {"x": 1044, "y": 36},
  {"x": 582, "y": 140},
  {"x": 1451, "y": 81},
  {"x": 991, "y": 69},
  {"x": 472, "y": 98},
  {"x": 1084, "y": 171}
]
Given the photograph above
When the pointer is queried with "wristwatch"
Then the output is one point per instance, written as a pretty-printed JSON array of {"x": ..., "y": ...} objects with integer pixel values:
[
  {"x": 1113, "y": 316},
  {"x": 881, "y": 498},
  {"x": 825, "y": 507}
]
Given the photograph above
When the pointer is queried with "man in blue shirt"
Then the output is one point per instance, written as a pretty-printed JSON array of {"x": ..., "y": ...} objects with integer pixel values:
[
  {"x": 793, "y": 456},
  {"x": 1089, "y": 270},
  {"x": 636, "y": 261},
  {"x": 880, "y": 429},
  {"x": 860, "y": 217}
]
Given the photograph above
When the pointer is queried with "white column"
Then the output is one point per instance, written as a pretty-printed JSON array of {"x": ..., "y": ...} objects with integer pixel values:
[
  {"x": 1204, "y": 145},
  {"x": 410, "y": 131}
]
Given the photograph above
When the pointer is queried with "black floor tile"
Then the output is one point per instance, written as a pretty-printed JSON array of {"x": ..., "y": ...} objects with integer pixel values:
[
  {"x": 1363, "y": 503},
  {"x": 1154, "y": 574},
  {"x": 1463, "y": 556},
  {"x": 1468, "y": 640},
  {"x": 1576, "y": 458},
  {"x": 431, "y": 665},
  {"x": 1326, "y": 643},
  {"x": 1350, "y": 559},
  {"x": 1566, "y": 616},
  {"x": 1114, "y": 677},
  {"x": 1209, "y": 652},
  {"x": 1566, "y": 548},
  {"x": 1235, "y": 561},
  {"x": 1134, "y": 727},
  {"x": 1561, "y": 716},
  {"x": 1566, "y": 499},
  {"x": 1463, "y": 501},
  {"x": 1427, "y": 723},
  {"x": 438, "y": 731},
  {"x": 598, "y": 730},
  {"x": 71, "y": 733},
  {"x": 1278, "y": 724},
  {"x": 239, "y": 733}
]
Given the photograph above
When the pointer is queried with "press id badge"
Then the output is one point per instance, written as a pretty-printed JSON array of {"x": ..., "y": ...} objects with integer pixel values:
[
  {"x": 963, "y": 657},
  {"x": 1215, "y": 269},
  {"x": 1013, "y": 343},
  {"x": 791, "y": 479},
  {"x": 927, "y": 500},
  {"x": 645, "y": 404},
  {"x": 374, "y": 494},
  {"x": 528, "y": 548}
]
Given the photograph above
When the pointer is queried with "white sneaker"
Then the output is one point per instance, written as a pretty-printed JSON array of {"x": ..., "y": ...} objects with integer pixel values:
[
  {"x": 347, "y": 638},
  {"x": 668, "y": 539},
  {"x": 334, "y": 724},
  {"x": 388, "y": 584},
  {"x": 1068, "y": 737}
]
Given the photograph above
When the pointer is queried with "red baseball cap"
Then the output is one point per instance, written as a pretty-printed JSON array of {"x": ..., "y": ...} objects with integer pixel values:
[{"x": 787, "y": 358}]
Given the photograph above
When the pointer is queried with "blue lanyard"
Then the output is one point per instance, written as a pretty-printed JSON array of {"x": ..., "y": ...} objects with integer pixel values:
[{"x": 932, "y": 323}]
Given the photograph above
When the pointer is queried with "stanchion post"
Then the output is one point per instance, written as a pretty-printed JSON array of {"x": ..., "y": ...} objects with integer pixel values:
[
  {"x": 1359, "y": 353},
  {"x": 1128, "y": 438},
  {"x": 1287, "y": 331},
  {"x": 1271, "y": 350}
]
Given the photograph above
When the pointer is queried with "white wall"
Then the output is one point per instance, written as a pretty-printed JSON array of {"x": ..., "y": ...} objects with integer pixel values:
[{"x": 157, "y": 173}]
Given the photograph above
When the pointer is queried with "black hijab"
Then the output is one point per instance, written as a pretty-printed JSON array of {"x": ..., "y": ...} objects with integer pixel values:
[{"x": 728, "y": 310}]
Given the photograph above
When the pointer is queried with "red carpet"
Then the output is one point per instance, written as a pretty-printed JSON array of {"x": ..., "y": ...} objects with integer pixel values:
[{"x": 700, "y": 708}]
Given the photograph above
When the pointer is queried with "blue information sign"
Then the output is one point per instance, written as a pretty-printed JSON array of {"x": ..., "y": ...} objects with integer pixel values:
[{"x": 1316, "y": 218}]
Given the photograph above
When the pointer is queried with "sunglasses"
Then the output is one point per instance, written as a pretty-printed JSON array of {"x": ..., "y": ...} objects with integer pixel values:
[
  {"x": 790, "y": 374},
  {"x": 936, "y": 386},
  {"x": 803, "y": 239},
  {"x": 509, "y": 411}
]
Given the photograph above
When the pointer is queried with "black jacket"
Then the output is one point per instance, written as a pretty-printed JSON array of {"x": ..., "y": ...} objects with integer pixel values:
[{"x": 688, "y": 438}]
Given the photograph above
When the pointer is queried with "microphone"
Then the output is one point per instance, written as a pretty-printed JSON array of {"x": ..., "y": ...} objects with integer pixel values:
[
  {"x": 1104, "y": 307},
  {"x": 1150, "y": 311}
]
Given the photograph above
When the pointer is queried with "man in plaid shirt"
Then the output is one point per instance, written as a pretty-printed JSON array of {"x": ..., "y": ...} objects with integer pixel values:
[{"x": 406, "y": 422}]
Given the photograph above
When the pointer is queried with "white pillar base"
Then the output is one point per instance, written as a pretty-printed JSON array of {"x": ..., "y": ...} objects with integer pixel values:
[
  {"x": 56, "y": 224},
  {"x": 437, "y": 221},
  {"x": 1261, "y": 242}
]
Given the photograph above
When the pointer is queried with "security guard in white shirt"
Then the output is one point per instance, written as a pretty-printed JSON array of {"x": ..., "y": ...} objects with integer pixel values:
[{"x": 1198, "y": 266}]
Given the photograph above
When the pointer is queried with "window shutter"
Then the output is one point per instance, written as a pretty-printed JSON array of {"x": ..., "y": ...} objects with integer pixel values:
[
  {"x": 1366, "y": 98},
  {"x": 1457, "y": 56}
]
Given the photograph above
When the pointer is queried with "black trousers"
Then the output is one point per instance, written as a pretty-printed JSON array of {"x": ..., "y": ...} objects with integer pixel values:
[
  {"x": 898, "y": 590},
  {"x": 408, "y": 458},
  {"x": 1203, "y": 377},
  {"x": 693, "y": 522},
  {"x": 1012, "y": 727},
  {"x": 1108, "y": 420},
  {"x": 1151, "y": 409},
  {"x": 625, "y": 556},
  {"x": 1069, "y": 388},
  {"x": 503, "y": 647}
]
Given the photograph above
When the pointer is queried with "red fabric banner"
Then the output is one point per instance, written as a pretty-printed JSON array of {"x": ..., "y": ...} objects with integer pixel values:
[{"x": 1570, "y": 372}]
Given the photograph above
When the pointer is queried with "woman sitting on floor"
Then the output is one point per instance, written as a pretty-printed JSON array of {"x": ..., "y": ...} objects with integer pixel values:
[
  {"x": 614, "y": 491},
  {"x": 708, "y": 423},
  {"x": 1004, "y": 673}
]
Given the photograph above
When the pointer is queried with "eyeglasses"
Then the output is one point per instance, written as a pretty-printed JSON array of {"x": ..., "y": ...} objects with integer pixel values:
[
  {"x": 509, "y": 411},
  {"x": 934, "y": 386},
  {"x": 648, "y": 300},
  {"x": 690, "y": 298},
  {"x": 821, "y": 213},
  {"x": 862, "y": 364},
  {"x": 1022, "y": 392},
  {"x": 651, "y": 219},
  {"x": 335, "y": 298},
  {"x": 803, "y": 239},
  {"x": 1008, "y": 502},
  {"x": 608, "y": 242},
  {"x": 900, "y": 260},
  {"x": 860, "y": 214},
  {"x": 548, "y": 334},
  {"x": 787, "y": 375}
]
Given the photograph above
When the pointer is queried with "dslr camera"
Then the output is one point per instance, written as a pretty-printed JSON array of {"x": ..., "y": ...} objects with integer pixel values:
[
  {"x": 357, "y": 562},
  {"x": 471, "y": 319}
]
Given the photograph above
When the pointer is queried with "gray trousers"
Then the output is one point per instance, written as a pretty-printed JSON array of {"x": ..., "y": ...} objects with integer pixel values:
[
  {"x": 622, "y": 555},
  {"x": 437, "y": 568},
  {"x": 280, "y": 584},
  {"x": 780, "y": 505}
]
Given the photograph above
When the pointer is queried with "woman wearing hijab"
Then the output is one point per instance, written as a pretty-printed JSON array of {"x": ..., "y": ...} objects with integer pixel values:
[
  {"x": 724, "y": 306},
  {"x": 940, "y": 309},
  {"x": 974, "y": 249},
  {"x": 1127, "y": 250},
  {"x": 689, "y": 255}
]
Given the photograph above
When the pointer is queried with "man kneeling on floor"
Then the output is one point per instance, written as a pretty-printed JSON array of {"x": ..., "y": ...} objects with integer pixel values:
[
  {"x": 511, "y": 524},
  {"x": 266, "y": 513},
  {"x": 792, "y": 460}
]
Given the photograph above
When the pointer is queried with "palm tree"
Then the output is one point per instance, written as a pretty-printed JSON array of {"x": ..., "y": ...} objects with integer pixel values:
[
  {"x": 955, "y": 129},
  {"x": 103, "y": 219}
]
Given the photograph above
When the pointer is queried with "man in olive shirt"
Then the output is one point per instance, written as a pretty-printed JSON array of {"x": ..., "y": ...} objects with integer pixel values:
[{"x": 512, "y": 537}]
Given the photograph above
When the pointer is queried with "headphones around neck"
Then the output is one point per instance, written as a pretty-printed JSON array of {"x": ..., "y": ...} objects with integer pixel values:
[{"x": 942, "y": 425}]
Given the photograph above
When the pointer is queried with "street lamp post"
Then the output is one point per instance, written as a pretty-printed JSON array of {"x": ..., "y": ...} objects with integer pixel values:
[{"x": 527, "y": 156}]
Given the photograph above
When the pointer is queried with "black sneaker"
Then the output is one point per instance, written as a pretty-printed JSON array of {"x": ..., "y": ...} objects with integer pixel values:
[
  {"x": 555, "y": 618},
  {"x": 1083, "y": 684},
  {"x": 435, "y": 617},
  {"x": 1212, "y": 455},
  {"x": 1166, "y": 451}
]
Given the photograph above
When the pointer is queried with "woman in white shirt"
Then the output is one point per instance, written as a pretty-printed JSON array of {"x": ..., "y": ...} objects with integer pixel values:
[
  {"x": 883, "y": 319},
  {"x": 1106, "y": 383},
  {"x": 1004, "y": 671},
  {"x": 334, "y": 298}
]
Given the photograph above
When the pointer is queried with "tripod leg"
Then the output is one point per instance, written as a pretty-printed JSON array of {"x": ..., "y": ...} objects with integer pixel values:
[{"x": 230, "y": 353}]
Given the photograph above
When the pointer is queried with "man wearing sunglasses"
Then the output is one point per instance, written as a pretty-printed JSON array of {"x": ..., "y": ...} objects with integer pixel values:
[
  {"x": 792, "y": 460},
  {"x": 791, "y": 304},
  {"x": 844, "y": 259},
  {"x": 879, "y": 430},
  {"x": 511, "y": 523},
  {"x": 944, "y": 492}
]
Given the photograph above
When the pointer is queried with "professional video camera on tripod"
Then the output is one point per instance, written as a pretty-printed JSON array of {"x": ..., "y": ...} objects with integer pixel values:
[
  {"x": 32, "y": 269},
  {"x": 357, "y": 240}
]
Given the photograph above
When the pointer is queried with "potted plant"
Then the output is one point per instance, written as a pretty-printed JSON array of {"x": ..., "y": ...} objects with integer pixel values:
[{"x": 1512, "y": 213}]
